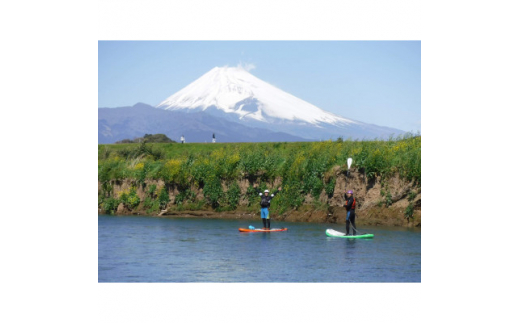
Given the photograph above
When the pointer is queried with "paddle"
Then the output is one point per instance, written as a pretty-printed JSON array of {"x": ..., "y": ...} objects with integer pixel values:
[{"x": 357, "y": 231}]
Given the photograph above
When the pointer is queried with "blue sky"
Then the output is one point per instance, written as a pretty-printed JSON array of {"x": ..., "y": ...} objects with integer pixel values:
[{"x": 375, "y": 82}]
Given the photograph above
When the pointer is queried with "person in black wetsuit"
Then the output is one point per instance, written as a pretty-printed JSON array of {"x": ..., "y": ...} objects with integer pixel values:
[
  {"x": 265, "y": 203},
  {"x": 350, "y": 205}
]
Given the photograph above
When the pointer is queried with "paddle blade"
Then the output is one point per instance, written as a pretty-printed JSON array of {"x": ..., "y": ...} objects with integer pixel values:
[
  {"x": 349, "y": 162},
  {"x": 251, "y": 227}
]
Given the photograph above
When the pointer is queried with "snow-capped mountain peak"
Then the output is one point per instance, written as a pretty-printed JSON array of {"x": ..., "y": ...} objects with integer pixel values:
[{"x": 234, "y": 90}]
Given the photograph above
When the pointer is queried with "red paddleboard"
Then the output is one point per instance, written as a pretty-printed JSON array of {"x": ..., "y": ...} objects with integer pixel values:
[{"x": 262, "y": 230}]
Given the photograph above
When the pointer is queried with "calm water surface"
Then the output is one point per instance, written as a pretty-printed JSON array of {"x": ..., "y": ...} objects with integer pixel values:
[{"x": 146, "y": 249}]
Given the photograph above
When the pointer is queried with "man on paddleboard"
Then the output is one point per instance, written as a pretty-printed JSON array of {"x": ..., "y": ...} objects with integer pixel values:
[
  {"x": 350, "y": 205},
  {"x": 265, "y": 203}
]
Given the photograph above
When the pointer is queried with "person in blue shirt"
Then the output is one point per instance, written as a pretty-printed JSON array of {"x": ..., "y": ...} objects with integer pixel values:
[{"x": 265, "y": 203}]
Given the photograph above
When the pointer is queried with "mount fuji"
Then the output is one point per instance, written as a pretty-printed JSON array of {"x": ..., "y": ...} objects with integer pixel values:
[{"x": 235, "y": 94}]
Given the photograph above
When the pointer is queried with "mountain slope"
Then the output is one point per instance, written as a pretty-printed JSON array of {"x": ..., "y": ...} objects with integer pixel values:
[
  {"x": 235, "y": 94},
  {"x": 116, "y": 124},
  {"x": 234, "y": 90}
]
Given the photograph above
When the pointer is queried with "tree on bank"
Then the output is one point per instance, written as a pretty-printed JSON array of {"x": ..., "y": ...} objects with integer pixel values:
[{"x": 148, "y": 138}]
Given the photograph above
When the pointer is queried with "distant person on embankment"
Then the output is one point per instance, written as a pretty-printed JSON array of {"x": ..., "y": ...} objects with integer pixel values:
[
  {"x": 265, "y": 203},
  {"x": 350, "y": 205}
]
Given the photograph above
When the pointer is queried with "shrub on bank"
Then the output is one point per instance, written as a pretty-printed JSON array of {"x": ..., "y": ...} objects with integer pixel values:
[{"x": 304, "y": 168}]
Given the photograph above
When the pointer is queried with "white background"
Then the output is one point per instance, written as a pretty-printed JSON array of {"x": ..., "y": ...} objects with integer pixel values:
[{"x": 49, "y": 161}]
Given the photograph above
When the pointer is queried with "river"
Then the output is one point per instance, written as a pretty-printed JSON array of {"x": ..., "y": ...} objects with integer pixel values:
[{"x": 152, "y": 249}]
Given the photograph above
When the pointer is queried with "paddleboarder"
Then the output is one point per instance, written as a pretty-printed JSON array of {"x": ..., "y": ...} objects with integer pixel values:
[
  {"x": 265, "y": 203},
  {"x": 350, "y": 205}
]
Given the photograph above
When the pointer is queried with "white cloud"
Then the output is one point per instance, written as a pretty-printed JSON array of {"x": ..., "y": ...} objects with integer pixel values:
[{"x": 246, "y": 66}]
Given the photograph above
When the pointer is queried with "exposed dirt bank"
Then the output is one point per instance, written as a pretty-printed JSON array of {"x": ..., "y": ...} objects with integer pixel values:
[{"x": 389, "y": 202}]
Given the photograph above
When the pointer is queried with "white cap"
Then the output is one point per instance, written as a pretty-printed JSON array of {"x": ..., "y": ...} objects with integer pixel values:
[{"x": 266, "y": 191}]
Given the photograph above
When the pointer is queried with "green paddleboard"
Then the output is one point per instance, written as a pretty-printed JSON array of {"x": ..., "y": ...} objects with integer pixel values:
[{"x": 337, "y": 234}]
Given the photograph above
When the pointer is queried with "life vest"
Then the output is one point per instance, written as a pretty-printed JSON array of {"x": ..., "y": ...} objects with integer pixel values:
[{"x": 353, "y": 207}]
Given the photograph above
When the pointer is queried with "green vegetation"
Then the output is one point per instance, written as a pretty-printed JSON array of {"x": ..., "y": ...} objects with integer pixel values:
[
  {"x": 130, "y": 199},
  {"x": 388, "y": 199},
  {"x": 109, "y": 205},
  {"x": 303, "y": 168},
  {"x": 411, "y": 196},
  {"x": 408, "y": 213},
  {"x": 148, "y": 138}
]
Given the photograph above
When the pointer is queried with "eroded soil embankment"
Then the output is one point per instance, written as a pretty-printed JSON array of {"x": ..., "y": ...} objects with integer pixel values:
[{"x": 392, "y": 201}]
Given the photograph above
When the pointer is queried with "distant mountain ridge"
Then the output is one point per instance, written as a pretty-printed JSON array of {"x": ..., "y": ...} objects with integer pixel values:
[
  {"x": 236, "y": 106},
  {"x": 115, "y": 124}
]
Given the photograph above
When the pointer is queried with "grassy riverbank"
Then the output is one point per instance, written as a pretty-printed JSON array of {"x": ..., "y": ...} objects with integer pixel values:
[{"x": 220, "y": 176}]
